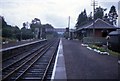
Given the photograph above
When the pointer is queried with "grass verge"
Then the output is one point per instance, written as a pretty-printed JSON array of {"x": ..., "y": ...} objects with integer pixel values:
[{"x": 104, "y": 49}]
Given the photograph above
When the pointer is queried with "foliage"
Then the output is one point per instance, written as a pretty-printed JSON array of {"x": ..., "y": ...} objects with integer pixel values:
[
  {"x": 114, "y": 53},
  {"x": 90, "y": 17},
  {"x": 105, "y": 18},
  {"x": 82, "y": 19},
  {"x": 112, "y": 15},
  {"x": 102, "y": 49},
  {"x": 99, "y": 13},
  {"x": 26, "y": 33},
  {"x": 35, "y": 23},
  {"x": 6, "y": 29},
  {"x": 49, "y": 30},
  {"x": 98, "y": 48},
  {"x": 14, "y": 33},
  {"x": 9, "y": 31},
  {"x": 44, "y": 30},
  {"x": 36, "y": 27}
]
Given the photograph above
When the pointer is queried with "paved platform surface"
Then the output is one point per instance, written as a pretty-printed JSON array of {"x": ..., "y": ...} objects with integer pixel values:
[{"x": 82, "y": 63}]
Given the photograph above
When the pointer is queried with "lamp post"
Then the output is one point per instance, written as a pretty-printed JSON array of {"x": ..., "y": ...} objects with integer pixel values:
[{"x": 69, "y": 27}]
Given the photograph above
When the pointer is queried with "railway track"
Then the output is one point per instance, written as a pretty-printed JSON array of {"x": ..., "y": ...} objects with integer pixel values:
[
  {"x": 36, "y": 66},
  {"x": 17, "y": 50},
  {"x": 22, "y": 56}
]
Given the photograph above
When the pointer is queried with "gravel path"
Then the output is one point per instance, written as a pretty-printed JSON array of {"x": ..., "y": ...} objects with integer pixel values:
[{"x": 82, "y": 63}]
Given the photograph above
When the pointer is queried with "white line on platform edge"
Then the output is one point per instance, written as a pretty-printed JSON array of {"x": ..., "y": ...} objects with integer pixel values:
[
  {"x": 9, "y": 48},
  {"x": 56, "y": 60}
]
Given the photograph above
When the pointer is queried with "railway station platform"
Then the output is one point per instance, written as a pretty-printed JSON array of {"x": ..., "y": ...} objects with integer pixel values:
[
  {"x": 75, "y": 61},
  {"x": 17, "y": 43}
]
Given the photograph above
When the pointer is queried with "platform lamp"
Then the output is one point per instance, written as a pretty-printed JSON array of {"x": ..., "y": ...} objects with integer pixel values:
[{"x": 69, "y": 26}]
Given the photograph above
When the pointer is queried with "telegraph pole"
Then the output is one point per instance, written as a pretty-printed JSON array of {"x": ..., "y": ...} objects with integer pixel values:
[
  {"x": 94, "y": 4},
  {"x": 69, "y": 22}
]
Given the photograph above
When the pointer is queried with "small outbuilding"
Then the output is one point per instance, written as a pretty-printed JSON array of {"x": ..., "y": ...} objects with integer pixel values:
[{"x": 114, "y": 40}]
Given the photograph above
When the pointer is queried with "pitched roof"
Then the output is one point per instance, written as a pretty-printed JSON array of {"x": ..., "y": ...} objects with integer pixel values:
[
  {"x": 99, "y": 24},
  {"x": 117, "y": 32}
]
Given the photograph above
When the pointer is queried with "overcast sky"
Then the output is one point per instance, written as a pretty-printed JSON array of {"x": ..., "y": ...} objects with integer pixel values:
[{"x": 54, "y": 12}]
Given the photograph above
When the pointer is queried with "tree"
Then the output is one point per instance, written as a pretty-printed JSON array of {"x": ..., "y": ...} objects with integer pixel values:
[
  {"x": 16, "y": 32},
  {"x": 36, "y": 23},
  {"x": 7, "y": 32},
  {"x": 48, "y": 30},
  {"x": 82, "y": 19},
  {"x": 90, "y": 17},
  {"x": 105, "y": 18},
  {"x": 24, "y": 24},
  {"x": 112, "y": 15},
  {"x": 3, "y": 22},
  {"x": 26, "y": 33},
  {"x": 99, "y": 13},
  {"x": 36, "y": 27}
]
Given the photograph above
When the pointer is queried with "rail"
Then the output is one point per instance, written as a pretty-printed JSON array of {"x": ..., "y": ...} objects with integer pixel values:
[{"x": 22, "y": 66}]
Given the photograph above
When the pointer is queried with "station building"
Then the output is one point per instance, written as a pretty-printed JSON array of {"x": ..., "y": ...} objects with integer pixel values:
[{"x": 95, "y": 32}]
